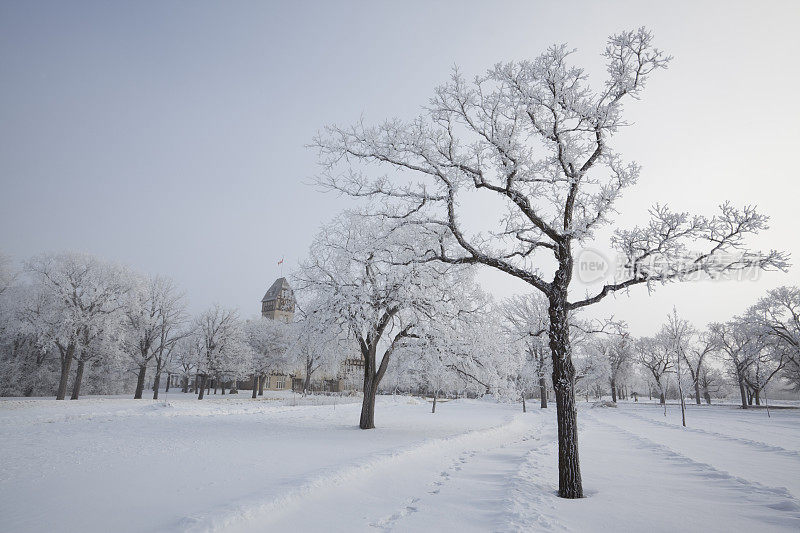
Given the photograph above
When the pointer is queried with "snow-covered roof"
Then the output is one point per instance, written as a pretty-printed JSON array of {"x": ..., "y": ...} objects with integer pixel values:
[{"x": 275, "y": 290}]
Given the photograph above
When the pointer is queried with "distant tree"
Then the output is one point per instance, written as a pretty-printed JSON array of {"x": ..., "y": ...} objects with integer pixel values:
[
  {"x": 222, "y": 347},
  {"x": 155, "y": 313},
  {"x": 766, "y": 363},
  {"x": 654, "y": 356},
  {"x": 269, "y": 341},
  {"x": 739, "y": 343},
  {"x": 184, "y": 362},
  {"x": 534, "y": 141},
  {"x": 700, "y": 347},
  {"x": 616, "y": 352},
  {"x": 710, "y": 381},
  {"x": 778, "y": 313},
  {"x": 528, "y": 322},
  {"x": 318, "y": 341}
]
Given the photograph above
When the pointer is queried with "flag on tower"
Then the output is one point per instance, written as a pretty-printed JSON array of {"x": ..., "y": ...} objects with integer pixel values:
[{"x": 280, "y": 262}]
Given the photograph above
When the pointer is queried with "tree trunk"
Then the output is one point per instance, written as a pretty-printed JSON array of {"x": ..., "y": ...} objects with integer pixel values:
[
  {"x": 368, "y": 405},
  {"x": 261, "y": 384},
  {"x": 137, "y": 395},
  {"x": 76, "y": 387},
  {"x": 435, "y": 394},
  {"x": 169, "y": 378},
  {"x": 742, "y": 392},
  {"x": 185, "y": 384},
  {"x": 613, "y": 391},
  {"x": 569, "y": 470},
  {"x": 66, "y": 363},
  {"x": 157, "y": 384},
  {"x": 543, "y": 393},
  {"x": 697, "y": 391},
  {"x": 662, "y": 399},
  {"x": 256, "y": 379},
  {"x": 202, "y": 387},
  {"x": 524, "y": 410}
]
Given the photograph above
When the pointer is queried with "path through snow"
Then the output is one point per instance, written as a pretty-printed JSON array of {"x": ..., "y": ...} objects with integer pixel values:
[{"x": 235, "y": 464}]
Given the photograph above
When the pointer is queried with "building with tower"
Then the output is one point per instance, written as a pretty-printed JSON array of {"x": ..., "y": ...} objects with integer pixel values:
[{"x": 278, "y": 303}]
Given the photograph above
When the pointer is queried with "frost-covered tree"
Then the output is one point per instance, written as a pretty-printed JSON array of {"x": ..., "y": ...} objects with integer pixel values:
[
  {"x": 778, "y": 313},
  {"x": 654, "y": 356},
  {"x": 78, "y": 303},
  {"x": 677, "y": 333},
  {"x": 767, "y": 362},
  {"x": 739, "y": 342},
  {"x": 535, "y": 142},
  {"x": 528, "y": 323},
  {"x": 358, "y": 269},
  {"x": 155, "y": 312},
  {"x": 26, "y": 367},
  {"x": 185, "y": 358},
  {"x": 710, "y": 381},
  {"x": 269, "y": 341},
  {"x": 221, "y": 346},
  {"x": 700, "y": 346},
  {"x": 615, "y": 352},
  {"x": 318, "y": 341},
  {"x": 460, "y": 349}
]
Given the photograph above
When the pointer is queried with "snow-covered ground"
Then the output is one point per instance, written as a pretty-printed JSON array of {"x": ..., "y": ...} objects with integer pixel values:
[{"x": 236, "y": 464}]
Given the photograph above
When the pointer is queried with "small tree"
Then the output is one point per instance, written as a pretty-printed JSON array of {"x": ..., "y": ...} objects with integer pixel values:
[
  {"x": 616, "y": 353},
  {"x": 269, "y": 341},
  {"x": 677, "y": 333},
  {"x": 654, "y": 356},
  {"x": 318, "y": 341},
  {"x": 221, "y": 345},
  {"x": 700, "y": 346},
  {"x": 528, "y": 323}
]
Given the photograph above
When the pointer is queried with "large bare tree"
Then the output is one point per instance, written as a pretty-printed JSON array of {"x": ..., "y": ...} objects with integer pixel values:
[{"x": 534, "y": 140}]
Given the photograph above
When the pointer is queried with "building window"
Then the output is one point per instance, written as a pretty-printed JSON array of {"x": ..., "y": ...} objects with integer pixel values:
[{"x": 280, "y": 382}]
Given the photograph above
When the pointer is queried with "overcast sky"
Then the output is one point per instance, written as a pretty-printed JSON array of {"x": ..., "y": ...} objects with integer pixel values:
[{"x": 170, "y": 135}]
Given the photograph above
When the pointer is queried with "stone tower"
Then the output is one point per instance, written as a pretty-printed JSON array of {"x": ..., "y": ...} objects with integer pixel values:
[{"x": 278, "y": 303}]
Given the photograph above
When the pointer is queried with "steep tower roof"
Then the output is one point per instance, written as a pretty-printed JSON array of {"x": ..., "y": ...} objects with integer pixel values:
[{"x": 276, "y": 291}]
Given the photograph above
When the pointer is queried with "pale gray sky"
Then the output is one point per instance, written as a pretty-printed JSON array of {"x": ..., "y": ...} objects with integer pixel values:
[{"x": 170, "y": 135}]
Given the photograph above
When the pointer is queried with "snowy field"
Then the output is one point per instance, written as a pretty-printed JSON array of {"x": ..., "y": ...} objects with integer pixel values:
[{"x": 235, "y": 464}]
